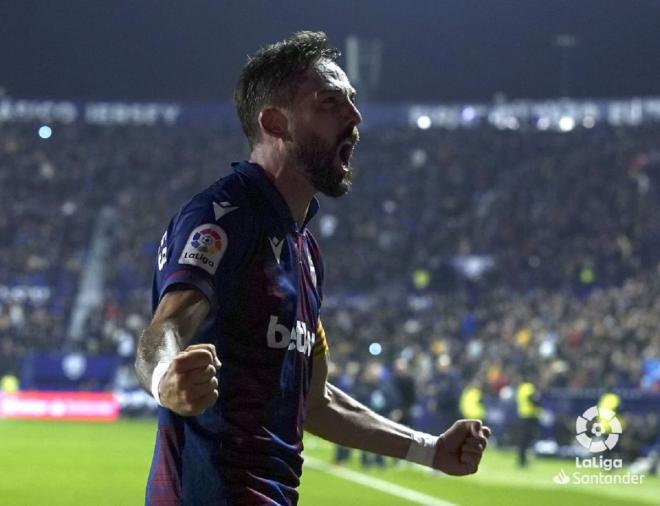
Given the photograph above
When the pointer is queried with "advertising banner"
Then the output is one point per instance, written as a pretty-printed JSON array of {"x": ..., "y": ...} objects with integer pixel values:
[{"x": 80, "y": 406}]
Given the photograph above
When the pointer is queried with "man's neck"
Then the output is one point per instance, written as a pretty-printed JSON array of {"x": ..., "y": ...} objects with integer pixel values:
[{"x": 292, "y": 185}]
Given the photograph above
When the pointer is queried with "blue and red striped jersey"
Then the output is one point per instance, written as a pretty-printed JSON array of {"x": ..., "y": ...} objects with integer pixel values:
[{"x": 262, "y": 274}]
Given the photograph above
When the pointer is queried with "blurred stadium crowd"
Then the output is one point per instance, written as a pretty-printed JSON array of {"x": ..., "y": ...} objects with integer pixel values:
[{"x": 466, "y": 257}]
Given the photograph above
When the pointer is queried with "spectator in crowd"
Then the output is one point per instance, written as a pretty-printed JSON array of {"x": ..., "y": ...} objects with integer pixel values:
[{"x": 492, "y": 251}]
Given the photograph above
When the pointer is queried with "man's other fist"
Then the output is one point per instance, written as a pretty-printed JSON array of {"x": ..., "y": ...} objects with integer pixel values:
[
  {"x": 190, "y": 386},
  {"x": 459, "y": 449}
]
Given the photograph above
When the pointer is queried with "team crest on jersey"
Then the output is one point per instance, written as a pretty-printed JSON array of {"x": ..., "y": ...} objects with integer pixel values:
[{"x": 205, "y": 247}]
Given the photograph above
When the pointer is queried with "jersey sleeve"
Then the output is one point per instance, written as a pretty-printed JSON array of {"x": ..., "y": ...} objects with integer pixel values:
[
  {"x": 321, "y": 343},
  {"x": 199, "y": 251}
]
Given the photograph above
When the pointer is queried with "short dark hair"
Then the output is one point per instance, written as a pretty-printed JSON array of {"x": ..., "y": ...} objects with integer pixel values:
[{"x": 272, "y": 75}]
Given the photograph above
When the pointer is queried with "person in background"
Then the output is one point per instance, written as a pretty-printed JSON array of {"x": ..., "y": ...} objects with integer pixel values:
[
  {"x": 404, "y": 385},
  {"x": 470, "y": 403},
  {"x": 528, "y": 407}
]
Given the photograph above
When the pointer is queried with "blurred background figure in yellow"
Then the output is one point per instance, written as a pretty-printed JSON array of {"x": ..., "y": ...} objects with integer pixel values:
[{"x": 529, "y": 411}]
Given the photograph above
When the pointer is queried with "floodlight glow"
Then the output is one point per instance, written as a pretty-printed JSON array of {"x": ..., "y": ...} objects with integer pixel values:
[
  {"x": 566, "y": 124},
  {"x": 375, "y": 349},
  {"x": 468, "y": 114},
  {"x": 424, "y": 122},
  {"x": 588, "y": 122},
  {"x": 45, "y": 132},
  {"x": 543, "y": 123}
]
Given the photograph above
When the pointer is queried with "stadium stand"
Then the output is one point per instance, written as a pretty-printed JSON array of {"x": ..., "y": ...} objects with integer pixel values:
[{"x": 475, "y": 255}]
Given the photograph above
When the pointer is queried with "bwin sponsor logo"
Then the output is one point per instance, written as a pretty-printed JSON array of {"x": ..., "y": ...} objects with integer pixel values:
[{"x": 298, "y": 338}]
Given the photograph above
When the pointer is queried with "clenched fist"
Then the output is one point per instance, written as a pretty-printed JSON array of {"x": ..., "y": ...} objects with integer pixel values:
[
  {"x": 459, "y": 449},
  {"x": 190, "y": 386}
]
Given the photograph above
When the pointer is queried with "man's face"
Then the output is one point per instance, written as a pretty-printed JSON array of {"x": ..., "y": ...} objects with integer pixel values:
[{"x": 323, "y": 126}]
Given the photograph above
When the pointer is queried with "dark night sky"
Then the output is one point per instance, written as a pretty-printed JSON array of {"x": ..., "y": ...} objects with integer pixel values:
[{"x": 434, "y": 51}]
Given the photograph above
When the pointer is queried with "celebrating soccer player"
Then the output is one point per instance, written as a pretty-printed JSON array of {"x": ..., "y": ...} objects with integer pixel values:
[{"x": 236, "y": 354}]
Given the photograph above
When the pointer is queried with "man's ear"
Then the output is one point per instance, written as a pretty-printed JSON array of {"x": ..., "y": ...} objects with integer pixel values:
[{"x": 274, "y": 122}]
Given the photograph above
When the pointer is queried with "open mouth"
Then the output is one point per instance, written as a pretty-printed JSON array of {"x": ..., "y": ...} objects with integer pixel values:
[{"x": 345, "y": 152}]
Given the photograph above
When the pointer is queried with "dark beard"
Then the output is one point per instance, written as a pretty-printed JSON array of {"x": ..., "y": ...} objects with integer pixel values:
[{"x": 318, "y": 161}]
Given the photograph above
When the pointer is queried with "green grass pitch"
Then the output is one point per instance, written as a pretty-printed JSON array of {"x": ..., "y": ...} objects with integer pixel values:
[{"x": 70, "y": 463}]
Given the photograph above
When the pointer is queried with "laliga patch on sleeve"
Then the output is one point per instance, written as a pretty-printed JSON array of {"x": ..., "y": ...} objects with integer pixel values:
[{"x": 205, "y": 247}]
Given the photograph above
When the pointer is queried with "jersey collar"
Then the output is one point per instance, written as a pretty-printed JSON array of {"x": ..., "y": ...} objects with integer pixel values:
[{"x": 257, "y": 174}]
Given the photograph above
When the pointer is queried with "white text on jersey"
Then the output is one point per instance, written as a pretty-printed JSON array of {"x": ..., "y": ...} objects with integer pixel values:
[{"x": 298, "y": 338}]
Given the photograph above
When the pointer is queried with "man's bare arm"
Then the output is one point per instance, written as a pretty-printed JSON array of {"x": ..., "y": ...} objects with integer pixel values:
[
  {"x": 337, "y": 417},
  {"x": 188, "y": 386},
  {"x": 344, "y": 421}
]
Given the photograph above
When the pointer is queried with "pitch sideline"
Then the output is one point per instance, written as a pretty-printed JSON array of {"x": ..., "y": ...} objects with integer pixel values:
[{"x": 375, "y": 483}]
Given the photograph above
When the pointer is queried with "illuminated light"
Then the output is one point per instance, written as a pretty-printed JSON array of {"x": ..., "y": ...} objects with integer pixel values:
[
  {"x": 424, "y": 122},
  {"x": 444, "y": 360},
  {"x": 328, "y": 225},
  {"x": 588, "y": 122},
  {"x": 543, "y": 123},
  {"x": 68, "y": 208},
  {"x": 507, "y": 393},
  {"x": 547, "y": 349},
  {"x": 468, "y": 114},
  {"x": 566, "y": 124},
  {"x": 375, "y": 349},
  {"x": 418, "y": 158},
  {"x": 389, "y": 206},
  {"x": 512, "y": 123},
  {"x": 45, "y": 132}
]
